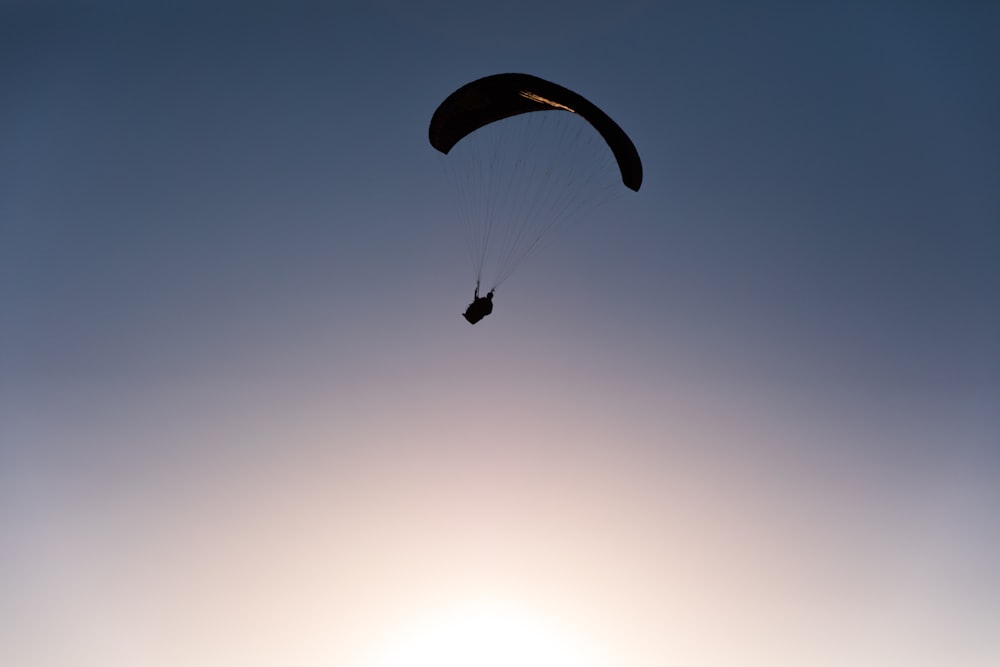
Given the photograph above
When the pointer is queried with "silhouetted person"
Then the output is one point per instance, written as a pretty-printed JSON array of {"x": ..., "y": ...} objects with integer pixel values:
[{"x": 480, "y": 307}]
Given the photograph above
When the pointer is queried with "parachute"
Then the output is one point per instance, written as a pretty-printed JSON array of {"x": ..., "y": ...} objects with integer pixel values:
[{"x": 522, "y": 176}]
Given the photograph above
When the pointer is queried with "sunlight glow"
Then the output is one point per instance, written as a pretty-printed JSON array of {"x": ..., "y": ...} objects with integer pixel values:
[
  {"x": 485, "y": 636},
  {"x": 538, "y": 98}
]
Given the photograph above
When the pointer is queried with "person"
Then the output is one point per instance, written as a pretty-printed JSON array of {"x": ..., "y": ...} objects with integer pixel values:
[{"x": 480, "y": 307}]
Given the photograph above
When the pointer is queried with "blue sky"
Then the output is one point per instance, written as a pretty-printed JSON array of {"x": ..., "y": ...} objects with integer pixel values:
[{"x": 747, "y": 415}]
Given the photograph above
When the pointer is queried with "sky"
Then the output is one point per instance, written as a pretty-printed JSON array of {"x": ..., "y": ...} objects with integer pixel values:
[{"x": 748, "y": 415}]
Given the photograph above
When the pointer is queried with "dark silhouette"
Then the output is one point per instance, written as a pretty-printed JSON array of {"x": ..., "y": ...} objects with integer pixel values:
[
  {"x": 480, "y": 307},
  {"x": 500, "y": 96}
]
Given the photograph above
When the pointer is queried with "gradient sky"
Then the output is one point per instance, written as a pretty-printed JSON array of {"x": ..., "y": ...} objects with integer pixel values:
[{"x": 748, "y": 416}]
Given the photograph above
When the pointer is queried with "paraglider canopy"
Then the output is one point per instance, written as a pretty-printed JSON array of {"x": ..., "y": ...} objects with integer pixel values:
[{"x": 500, "y": 96}]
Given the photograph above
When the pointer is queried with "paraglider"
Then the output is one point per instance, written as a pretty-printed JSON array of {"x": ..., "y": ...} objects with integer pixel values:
[
  {"x": 521, "y": 176},
  {"x": 480, "y": 307}
]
